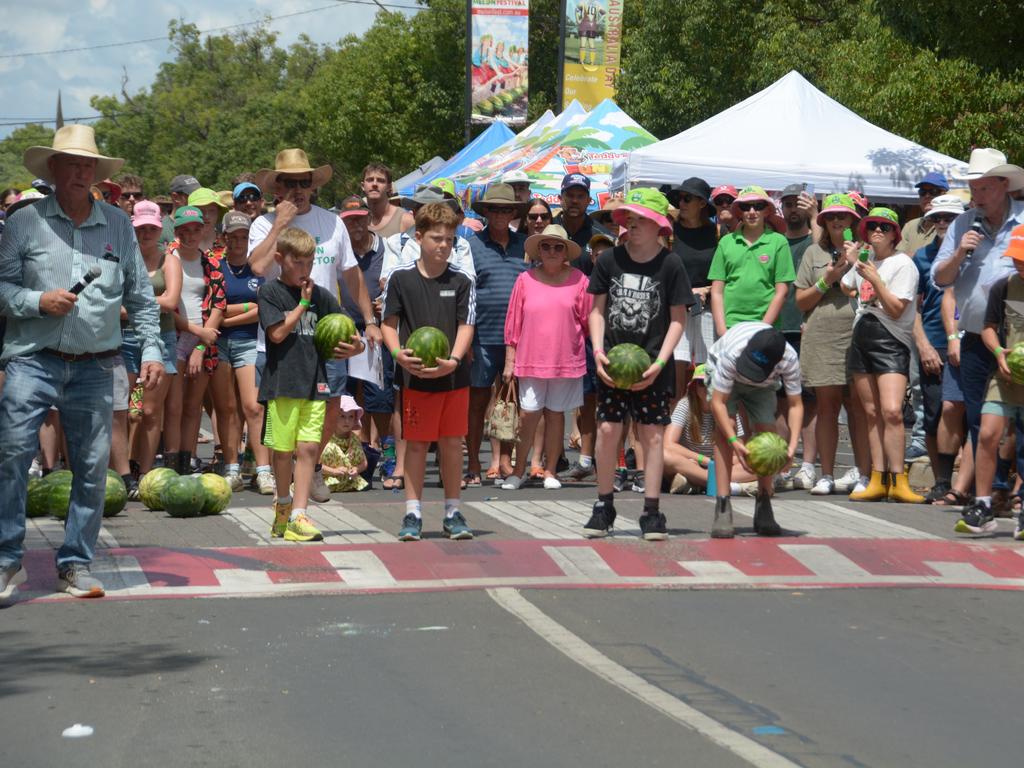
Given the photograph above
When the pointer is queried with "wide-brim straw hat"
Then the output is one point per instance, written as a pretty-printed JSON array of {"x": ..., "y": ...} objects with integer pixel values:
[
  {"x": 499, "y": 194},
  {"x": 552, "y": 232},
  {"x": 293, "y": 161},
  {"x": 77, "y": 140},
  {"x": 604, "y": 215}
]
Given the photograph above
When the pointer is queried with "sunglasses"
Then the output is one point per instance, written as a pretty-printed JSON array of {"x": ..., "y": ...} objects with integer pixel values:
[
  {"x": 105, "y": 193},
  {"x": 687, "y": 199},
  {"x": 722, "y": 201},
  {"x": 538, "y": 216},
  {"x": 130, "y": 195},
  {"x": 836, "y": 216},
  {"x": 296, "y": 183},
  {"x": 880, "y": 226},
  {"x": 928, "y": 192},
  {"x": 506, "y": 210},
  {"x": 249, "y": 196},
  {"x": 556, "y": 247},
  {"x": 760, "y": 205},
  {"x": 949, "y": 218}
]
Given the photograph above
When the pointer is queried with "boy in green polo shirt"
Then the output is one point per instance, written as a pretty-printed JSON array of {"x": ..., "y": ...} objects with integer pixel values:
[{"x": 752, "y": 267}]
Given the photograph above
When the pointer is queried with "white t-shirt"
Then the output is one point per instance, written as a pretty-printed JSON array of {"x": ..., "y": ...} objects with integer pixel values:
[
  {"x": 333, "y": 250},
  {"x": 901, "y": 277}
]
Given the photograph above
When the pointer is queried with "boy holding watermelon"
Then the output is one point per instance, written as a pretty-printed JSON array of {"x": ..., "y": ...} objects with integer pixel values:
[{"x": 437, "y": 300}]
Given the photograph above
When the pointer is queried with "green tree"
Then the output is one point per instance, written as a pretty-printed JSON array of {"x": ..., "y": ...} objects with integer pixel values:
[{"x": 12, "y": 149}]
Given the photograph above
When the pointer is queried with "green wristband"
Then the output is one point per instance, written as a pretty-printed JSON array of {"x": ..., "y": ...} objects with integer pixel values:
[
  {"x": 305, "y": 303},
  {"x": 953, "y": 337},
  {"x": 200, "y": 347},
  {"x": 245, "y": 307},
  {"x": 821, "y": 285},
  {"x": 733, "y": 439},
  {"x": 998, "y": 352},
  {"x": 394, "y": 353},
  {"x": 701, "y": 458},
  {"x": 659, "y": 362}
]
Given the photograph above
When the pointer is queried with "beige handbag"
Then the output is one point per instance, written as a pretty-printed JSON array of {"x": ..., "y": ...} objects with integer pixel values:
[{"x": 504, "y": 419}]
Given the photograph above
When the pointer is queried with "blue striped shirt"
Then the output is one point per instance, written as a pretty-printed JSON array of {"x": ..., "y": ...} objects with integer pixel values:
[
  {"x": 42, "y": 250},
  {"x": 496, "y": 271}
]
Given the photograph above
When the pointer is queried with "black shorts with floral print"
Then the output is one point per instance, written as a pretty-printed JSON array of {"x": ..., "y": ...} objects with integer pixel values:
[{"x": 647, "y": 406}]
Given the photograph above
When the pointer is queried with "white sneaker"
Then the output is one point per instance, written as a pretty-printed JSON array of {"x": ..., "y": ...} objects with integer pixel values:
[
  {"x": 824, "y": 487},
  {"x": 511, "y": 483},
  {"x": 318, "y": 490},
  {"x": 748, "y": 489},
  {"x": 265, "y": 484},
  {"x": 845, "y": 483},
  {"x": 803, "y": 478},
  {"x": 862, "y": 484},
  {"x": 551, "y": 483},
  {"x": 784, "y": 482},
  {"x": 235, "y": 481}
]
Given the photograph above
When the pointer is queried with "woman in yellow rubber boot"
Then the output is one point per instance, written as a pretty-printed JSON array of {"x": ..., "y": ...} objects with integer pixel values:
[{"x": 885, "y": 283}]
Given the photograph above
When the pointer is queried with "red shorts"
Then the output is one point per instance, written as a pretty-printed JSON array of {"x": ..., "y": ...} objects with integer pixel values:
[{"x": 427, "y": 416}]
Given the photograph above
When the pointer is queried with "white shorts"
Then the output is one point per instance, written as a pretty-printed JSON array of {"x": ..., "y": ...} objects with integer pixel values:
[
  {"x": 121, "y": 391},
  {"x": 554, "y": 394},
  {"x": 697, "y": 338}
]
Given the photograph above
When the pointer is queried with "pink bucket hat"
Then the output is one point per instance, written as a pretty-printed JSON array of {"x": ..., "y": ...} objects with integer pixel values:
[
  {"x": 147, "y": 213},
  {"x": 348, "y": 404},
  {"x": 837, "y": 203},
  {"x": 754, "y": 194},
  {"x": 648, "y": 203}
]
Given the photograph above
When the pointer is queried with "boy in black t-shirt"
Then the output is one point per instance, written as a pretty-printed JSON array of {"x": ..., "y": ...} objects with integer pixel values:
[
  {"x": 435, "y": 401},
  {"x": 641, "y": 296},
  {"x": 294, "y": 384}
]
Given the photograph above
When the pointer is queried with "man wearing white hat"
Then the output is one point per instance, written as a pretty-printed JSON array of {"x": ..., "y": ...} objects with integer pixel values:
[
  {"x": 61, "y": 344},
  {"x": 971, "y": 260}
]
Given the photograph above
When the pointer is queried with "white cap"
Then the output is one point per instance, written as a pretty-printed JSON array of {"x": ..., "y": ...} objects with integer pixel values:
[
  {"x": 515, "y": 177},
  {"x": 946, "y": 204}
]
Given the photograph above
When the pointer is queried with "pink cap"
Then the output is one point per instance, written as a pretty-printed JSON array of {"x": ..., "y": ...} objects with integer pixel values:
[{"x": 147, "y": 212}]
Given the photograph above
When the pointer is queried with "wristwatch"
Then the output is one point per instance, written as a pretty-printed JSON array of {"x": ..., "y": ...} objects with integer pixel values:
[{"x": 371, "y": 321}]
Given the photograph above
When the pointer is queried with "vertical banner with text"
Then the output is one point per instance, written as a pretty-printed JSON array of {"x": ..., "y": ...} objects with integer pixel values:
[
  {"x": 498, "y": 61},
  {"x": 592, "y": 44}
]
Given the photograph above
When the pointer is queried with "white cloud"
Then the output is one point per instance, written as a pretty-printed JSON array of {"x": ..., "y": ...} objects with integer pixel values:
[{"x": 618, "y": 119}]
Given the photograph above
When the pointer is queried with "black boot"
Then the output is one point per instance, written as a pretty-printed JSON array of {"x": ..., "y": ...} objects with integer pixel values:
[
  {"x": 722, "y": 526},
  {"x": 764, "y": 517}
]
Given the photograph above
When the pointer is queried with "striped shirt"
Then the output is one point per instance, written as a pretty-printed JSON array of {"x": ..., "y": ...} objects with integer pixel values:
[
  {"x": 42, "y": 250},
  {"x": 497, "y": 269},
  {"x": 726, "y": 351}
]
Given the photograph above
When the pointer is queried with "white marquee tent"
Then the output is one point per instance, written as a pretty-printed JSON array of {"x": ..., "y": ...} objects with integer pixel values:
[{"x": 789, "y": 132}]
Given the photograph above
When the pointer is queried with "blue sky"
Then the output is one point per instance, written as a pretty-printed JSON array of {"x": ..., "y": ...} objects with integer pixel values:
[{"x": 29, "y": 84}]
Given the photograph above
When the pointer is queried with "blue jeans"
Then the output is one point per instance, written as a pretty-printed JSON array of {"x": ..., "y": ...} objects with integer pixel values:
[{"x": 83, "y": 394}]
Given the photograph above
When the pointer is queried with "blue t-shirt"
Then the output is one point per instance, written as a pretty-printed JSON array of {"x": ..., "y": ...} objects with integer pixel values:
[
  {"x": 240, "y": 286},
  {"x": 931, "y": 297},
  {"x": 496, "y": 271}
]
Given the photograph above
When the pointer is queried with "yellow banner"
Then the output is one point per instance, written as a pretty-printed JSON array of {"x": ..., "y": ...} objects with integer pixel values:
[{"x": 592, "y": 45}]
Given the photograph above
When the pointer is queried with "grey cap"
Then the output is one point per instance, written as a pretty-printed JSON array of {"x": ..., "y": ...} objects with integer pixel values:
[
  {"x": 234, "y": 220},
  {"x": 184, "y": 185},
  {"x": 792, "y": 190}
]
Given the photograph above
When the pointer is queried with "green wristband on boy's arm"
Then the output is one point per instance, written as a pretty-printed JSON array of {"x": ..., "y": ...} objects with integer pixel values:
[
  {"x": 998, "y": 352},
  {"x": 305, "y": 303},
  {"x": 394, "y": 353},
  {"x": 659, "y": 362},
  {"x": 733, "y": 439}
]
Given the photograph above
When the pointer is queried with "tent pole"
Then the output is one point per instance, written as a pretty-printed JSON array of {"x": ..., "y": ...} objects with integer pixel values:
[{"x": 561, "y": 55}]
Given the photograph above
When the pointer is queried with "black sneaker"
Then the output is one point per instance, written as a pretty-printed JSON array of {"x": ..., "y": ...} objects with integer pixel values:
[
  {"x": 621, "y": 480},
  {"x": 638, "y": 482},
  {"x": 764, "y": 517},
  {"x": 563, "y": 464},
  {"x": 412, "y": 528},
  {"x": 602, "y": 519},
  {"x": 654, "y": 527},
  {"x": 977, "y": 518}
]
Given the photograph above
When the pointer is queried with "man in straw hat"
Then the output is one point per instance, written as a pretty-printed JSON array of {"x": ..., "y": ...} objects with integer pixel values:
[
  {"x": 61, "y": 344},
  {"x": 971, "y": 259},
  {"x": 294, "y": 181}
]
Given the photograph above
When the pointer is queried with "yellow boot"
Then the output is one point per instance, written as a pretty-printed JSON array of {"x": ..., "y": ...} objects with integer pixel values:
[
  {"x": 902, "y": 492},
  {"x": 875, "y": 491}
]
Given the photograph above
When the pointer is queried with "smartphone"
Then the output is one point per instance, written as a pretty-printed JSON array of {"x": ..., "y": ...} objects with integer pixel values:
[
  {"x": 848, "y": 235},
  {"x": 809, "y": 189}
]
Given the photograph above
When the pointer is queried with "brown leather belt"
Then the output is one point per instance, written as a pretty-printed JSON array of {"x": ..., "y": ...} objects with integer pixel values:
[{"x": 69, "y": 357}]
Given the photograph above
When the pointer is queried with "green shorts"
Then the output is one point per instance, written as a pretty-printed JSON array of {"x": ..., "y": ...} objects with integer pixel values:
[
  {"x": 290, "y": 420},
  {"x": 760, "y": 403},
  {"x": 1006, "y": 410}
]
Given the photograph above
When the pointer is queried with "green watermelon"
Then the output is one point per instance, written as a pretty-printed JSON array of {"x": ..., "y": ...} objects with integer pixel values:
[
  {"x": 626, "y": 364},
  {"x": 428, "y": 344},
  {"x": 58, "y": 493},
  {"x": 152, "y": 485},
  {"x": 36, "y": 497},
  {"x": 1015, "y": 362},
  {"x": 183, "y": 496},
  {"x": 767, "y": 453},
  {"x": 217, "y": 492},
  {"x": 116, "y": 495},
  {"x": 330, "y": 330}
]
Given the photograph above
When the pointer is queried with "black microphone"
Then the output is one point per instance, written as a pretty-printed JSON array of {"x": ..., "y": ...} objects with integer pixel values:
[
  {"x": 88, "y": 277},
  {"x": 975, "y": 227}
]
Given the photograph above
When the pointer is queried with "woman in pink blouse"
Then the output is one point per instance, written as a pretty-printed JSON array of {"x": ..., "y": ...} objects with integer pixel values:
[{"x": 544, "y": 332}]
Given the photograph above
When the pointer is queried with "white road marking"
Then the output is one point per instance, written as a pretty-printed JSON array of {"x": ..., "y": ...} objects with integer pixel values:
[
  {"x": 583, "y": 563},
  {"x": 361, "y": 568},
  {"x": 822, "y": 519},
  {"x": 715, "y": 571},
  {"x": 549, "y": 519},
  {"x": 338, "y": 524},
  {"x": 241, "y": 580},
  {"x": 119, "y": 572},
  {"x": 584, "y": 654},
  {"x": 828, "y": 564},
  {"x": 960, "y": 573}
]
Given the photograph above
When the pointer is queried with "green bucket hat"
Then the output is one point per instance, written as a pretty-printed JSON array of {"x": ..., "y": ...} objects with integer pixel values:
[
  {"x": 648, "y": 203},
  {"x": 205, "y": 196},
  {"x": 837, "y": 203},
  {"x": 188, "y": 214},
  {"x": 883, "y": 216}
]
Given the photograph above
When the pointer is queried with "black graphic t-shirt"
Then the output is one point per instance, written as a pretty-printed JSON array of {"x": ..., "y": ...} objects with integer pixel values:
[{"x": 639, "y": 297}]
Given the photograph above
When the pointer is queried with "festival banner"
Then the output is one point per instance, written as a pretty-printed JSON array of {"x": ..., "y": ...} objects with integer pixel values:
[
  {"x": 592, "y": 45},
  {"x": 498, "y": 60}
]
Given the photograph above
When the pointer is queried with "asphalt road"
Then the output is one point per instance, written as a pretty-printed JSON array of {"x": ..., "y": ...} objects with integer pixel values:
[{"x": 818, "y": 678}]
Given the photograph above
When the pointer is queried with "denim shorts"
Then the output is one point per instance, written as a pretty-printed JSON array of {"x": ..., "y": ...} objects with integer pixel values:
[
  {"x": 239, "y": 351},
  {"x": 377, "y": 399},
  {"x": 337, "y": 377},
  {"x": 488, "y": 363},
  {"x": 131, "y": 351}
]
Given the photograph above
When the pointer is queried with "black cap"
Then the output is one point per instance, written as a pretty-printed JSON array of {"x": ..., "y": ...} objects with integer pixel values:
[
  {"x": 764, "y": 351},
  {"x": 792, "y": 190}
]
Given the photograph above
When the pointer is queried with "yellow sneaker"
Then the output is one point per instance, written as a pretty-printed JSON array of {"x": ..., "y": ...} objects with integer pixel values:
[
  {"x": 302, "y": 529},
  {"x": 281, "y": 514}
]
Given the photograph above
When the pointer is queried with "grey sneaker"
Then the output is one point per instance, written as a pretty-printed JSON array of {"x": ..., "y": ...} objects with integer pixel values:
[
  {"x": 235, "y": 481},
  {"x": 10, "y": 578},
  {"x": 265, "y": 484},
  {"x": 722, "y": 526},
  {"x": 318, "y": 490},
  {"x": 76, "y": 580},
  {"x": 577, "y": 473}
]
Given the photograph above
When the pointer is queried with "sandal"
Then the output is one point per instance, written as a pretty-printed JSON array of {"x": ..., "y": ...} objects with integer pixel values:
[
  {"x": 470, "y": 479},
  {"x": 953, "y": 498},
  {"x": 937, "y": 492},
  {"x": 494, "y": 474},
  {"x": 393, "y": 483}
]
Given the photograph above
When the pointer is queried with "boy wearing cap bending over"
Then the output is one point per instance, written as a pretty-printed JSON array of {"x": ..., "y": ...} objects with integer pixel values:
[
  {"x": 1004, "y": 399},
  {"x": 745, "y": 367}
]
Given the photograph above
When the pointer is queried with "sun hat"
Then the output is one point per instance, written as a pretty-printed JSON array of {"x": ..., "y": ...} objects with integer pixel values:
[
  {"x": 699, "y": 375},
  {"x": 987, "y": 163},
  {"x": 754, "y": 194},
  {"x": 146, "y": 212},
  {"x": 934, "y": 179},
  {"x": 205, "y": 196},
  {"x": 763, "y": 352},
  {"x": 860, "y": 202},
  {"x": 78, "y": 140},
  {"x": 693, "y": 186},
  {"x": 724, "y": 189},
  {"x": 946, "y": 204},
  {"x": 1015, "y": 250},
  {"x": 187, "y": 214},
  {"x": 113, "y": 190},
  {"x": 604, "y": 215},
  {"x": 293, "y": 161},
  {"x": 837, "y": 203},
  {"x": 446, "y": 185},
  {"x": 25, "y": 199},
  {"x": 552, "y": 232},
  {"x": 884, "y": 216},
  {"x": 515, "y": 177},
  {"x": 234, "y": 221},
  {"x": 348, "y": 404},
  {"x": 499, "y": 194},
  {"x": 648, "y": 203},
  {"x": 426, "y": 194},
  {"x": 242, "y": 187},
  {"x": 575, "y": 180}
]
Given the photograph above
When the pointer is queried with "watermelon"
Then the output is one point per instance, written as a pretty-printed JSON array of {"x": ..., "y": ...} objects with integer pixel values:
[
  {"x": 1015, "y": 362},
  {"x": 217, "y": 494},
  {"x": 116, "y": 495},
  {"x": 428, "y": 344},
  {"x": 183, "y": 496},
  {"x": 152, "y": 485},
  {"x": 36, "y": 497},
  {"x": 330, "y": 330},
  {"x": 58, "y": 493},
  {"x": 767, "y": 453},
  {"x": 626, "y": 364}
]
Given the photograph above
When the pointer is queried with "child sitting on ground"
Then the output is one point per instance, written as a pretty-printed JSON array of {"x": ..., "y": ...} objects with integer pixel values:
[{"x": 343, "y": 458}]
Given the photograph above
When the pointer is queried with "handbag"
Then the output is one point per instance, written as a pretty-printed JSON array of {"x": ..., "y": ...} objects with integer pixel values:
[{"x": 504, "y": 418}]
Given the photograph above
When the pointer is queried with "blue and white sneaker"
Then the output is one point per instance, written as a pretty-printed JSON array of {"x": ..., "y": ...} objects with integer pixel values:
[
  {"x": 412, "y": 527},
  {"x": 455, "y": 527}
]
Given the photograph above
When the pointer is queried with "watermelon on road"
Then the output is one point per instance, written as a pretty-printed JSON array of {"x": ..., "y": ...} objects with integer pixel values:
[
  {"x": 428, "y": 344},
  {"x": 152, "y": 485},
  {"x": 116, "y": 495},
  {"x": 183, "y": 496},
  {"x": 330, "y": 330},
  {"x": 626, "y": 364},
  {"x": 217, "y": 494},
  {"x": 767, "y": 453}
]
